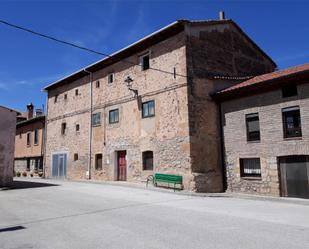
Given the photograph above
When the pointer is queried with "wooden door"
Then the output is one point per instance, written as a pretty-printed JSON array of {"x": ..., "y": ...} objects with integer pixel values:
[{"x": 122, "y": 166}]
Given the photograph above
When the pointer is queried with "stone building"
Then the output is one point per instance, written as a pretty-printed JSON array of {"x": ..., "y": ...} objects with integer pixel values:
[
  {"x": 266, "y": 140},
  {"x": 29, "y": 141},
  {"x": 150, "y": 106},
  {"x": 7, "y": 141}
]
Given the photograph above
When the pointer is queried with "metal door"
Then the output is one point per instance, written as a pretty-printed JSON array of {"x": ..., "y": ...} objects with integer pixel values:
[
  {"x": 295, "y": 176},
  {"x": 122, "y": 166},
  {"x": 59, "y": 165}
]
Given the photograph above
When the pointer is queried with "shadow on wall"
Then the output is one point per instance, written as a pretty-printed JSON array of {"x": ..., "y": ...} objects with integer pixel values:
[{"x": 28, "y": 184}]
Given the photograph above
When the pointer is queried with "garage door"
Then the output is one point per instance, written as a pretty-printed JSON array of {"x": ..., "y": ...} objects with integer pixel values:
[
  {"x": 59, "y": 168},
  {"x": 294, "y": 176}
]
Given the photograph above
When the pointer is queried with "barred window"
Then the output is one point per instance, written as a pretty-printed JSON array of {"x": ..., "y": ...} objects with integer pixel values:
[{"x": 250, "y": 167}]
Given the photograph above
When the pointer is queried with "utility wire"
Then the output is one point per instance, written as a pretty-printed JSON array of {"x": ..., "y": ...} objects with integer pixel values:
[{"x": 81, "y": 47}]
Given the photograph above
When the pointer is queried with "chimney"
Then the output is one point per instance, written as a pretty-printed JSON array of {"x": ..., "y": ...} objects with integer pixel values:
[
  {"x": 30, "y": 111},
  {"x": 221, "y": 15}
]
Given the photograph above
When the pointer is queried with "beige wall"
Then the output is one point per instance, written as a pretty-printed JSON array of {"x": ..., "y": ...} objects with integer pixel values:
[
  {"x": 272, "y": 145},
  {"x": 23, "y": 150},
  {"x": 166, "y": 134},
  {"x": 7, "y": 140}
]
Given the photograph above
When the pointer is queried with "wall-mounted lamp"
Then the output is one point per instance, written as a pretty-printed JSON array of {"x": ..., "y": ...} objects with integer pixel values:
[{"x": 128, "y": 82}]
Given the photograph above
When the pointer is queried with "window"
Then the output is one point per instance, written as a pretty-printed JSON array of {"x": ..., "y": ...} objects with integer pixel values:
[
  {"x": 148, "y": 109},
  {"x": 77, "y": 127},
  {"x": 28, "y": 164},
  {"x": 63, "y": 128},
  {"x": 289, "y": 91},
  {"x": 114, "y": 116},
  {"x": 98, "y": 161},
  {"x": 253, "y": 127},
  {"x": 110, "y": 78},
  {"x": 144, "y": 62},
  {"x": 147, "y": 160},
  {"x": 36, "y": 136},
  {"x": 291, "y": 122},
  {"x": 96, "y": 119},
  {"x": 97, "y": 84},
  {"x": 28, "y": 139},
  {"x": 76, "y": 92},
  {"x": 75, "y": 156},
  {"x": 250, "y": 167},
  {"x": 65, "y": 96},
  {"x": 56, "y": 98},
  {"x": 20, "y": 135}
]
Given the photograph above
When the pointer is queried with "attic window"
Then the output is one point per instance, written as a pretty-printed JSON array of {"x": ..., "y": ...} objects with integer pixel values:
[
  {"x": 144, "y": 61},
  {"x": 289, "y": 91},
  {"x": 110, "y": 78},
  {"x": 97, "y": 84}
]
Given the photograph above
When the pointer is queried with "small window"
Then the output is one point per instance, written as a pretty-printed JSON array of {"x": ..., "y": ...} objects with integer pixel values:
[
  {"x": 75, "y": 156},
  {"x": 20, "y": 135},
  {"x": 77, "y": 127},
  {"x": 250, "y": 167},
  {"x": 147, "y": 160},
  {"x": 289, "y": 91},
  {"x": 98, "y": 161},
  {"x": 63, "y": 128},
  {"x": 65, "y": 96},
  {"x": 97, "y": 84},
  {"x": 144, "y": 62},
  {"x": 253, "y": 127},
  {"x": 96, "y": 119},
  {"x": 36, "y": 136},
  {"x": 148, "y": 109},
  {"x": 110, "y": 78},
  {"x": 114, "y": 116},
  {"x": 28, "y": 139},
  {"x": 291, "y": 122},
  {"x": 56, "y": 98},
  {"x": 76, "y": 92}
]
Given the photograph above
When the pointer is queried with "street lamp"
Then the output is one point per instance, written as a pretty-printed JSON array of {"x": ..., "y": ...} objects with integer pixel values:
[{"x": 128, "y": 82}]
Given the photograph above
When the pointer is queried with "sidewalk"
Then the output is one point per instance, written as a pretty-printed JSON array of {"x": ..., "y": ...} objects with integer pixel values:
[{"x": 142, "y": 185}]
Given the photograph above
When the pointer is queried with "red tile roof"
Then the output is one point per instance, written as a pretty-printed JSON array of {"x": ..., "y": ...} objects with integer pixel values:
[{"x": 264, "y": 78}]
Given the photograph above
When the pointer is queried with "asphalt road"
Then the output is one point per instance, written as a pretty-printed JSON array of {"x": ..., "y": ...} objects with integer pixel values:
[{"x": 82, "y": 215}]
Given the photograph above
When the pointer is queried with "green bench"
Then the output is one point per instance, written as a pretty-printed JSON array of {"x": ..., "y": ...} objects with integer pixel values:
[{"x": 166, "y": 178}]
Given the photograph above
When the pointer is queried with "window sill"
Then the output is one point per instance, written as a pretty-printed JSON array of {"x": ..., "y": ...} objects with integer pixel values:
[
  {"x": 36, "y": 144},
  {"x": 253, "y": 142},
  {"x": 292, "y": 138},
  {"x": 98, "y": 125},
  {"x": 152, "y": 116},
  {"x": 251, "y": 178}
]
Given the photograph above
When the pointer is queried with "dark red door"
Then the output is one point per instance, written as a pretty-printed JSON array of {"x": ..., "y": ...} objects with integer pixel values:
[{"x": 122, "y": 166}]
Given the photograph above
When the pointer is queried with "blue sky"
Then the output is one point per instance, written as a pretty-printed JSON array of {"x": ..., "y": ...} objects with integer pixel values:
[{"x": 28, "y": 63}]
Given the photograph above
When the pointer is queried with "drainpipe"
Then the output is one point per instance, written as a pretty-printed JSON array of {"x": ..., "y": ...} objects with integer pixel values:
[
  {"x": 44, "y": 139},
  {"x": 90, "y": 128}
]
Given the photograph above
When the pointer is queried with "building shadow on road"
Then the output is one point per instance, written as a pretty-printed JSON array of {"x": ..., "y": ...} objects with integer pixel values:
[{"x": 27, "y": 184}]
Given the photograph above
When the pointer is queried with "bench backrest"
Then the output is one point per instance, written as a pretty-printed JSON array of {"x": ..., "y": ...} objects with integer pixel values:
[{"x": 168, "y": 177}]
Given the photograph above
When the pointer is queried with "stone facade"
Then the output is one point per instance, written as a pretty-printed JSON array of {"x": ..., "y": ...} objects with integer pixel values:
[
  {"x": 272, "y": 144},
  {"x": 183, "y": 134},
  {"x": 7, "y": 141}
]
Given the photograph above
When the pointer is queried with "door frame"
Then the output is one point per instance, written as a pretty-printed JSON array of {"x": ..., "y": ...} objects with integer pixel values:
[
  {"x": 117, "y": 164},
  {"x": 67, "y": 160},
  {"x": 282, "y": 173}
]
